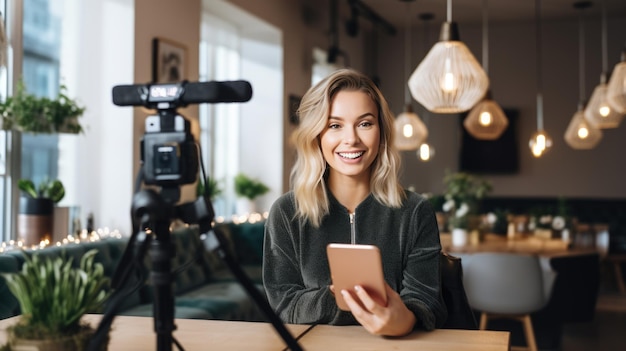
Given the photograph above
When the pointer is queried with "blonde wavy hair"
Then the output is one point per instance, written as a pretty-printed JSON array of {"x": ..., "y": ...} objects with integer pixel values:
[{"x": 308, "y": 173}]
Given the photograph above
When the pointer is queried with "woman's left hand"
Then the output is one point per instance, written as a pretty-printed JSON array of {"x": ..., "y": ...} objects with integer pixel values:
[{"x": 395, "y": 319}]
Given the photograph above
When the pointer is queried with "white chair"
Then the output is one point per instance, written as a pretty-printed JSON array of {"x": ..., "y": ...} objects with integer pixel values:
[{"x": 507, "y": 285}]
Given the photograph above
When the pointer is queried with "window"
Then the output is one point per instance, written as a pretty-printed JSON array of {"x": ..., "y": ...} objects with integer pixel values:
[
  {"x": 245, "y": 137},
  {"x": 63, "y": 43}
]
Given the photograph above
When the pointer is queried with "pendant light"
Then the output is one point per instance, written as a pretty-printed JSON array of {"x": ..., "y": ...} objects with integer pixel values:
[
  {"x": 410, "y": 130},
  {"x": 486, "y": 120},
  {"x": 580, "y": 134},
  {"x": 540, "y": 142},
  {"x": 449, "y": 79},
  {"x": 426, "y": 151},
  {"x": 616, "y": 89},
  {"x": 599, "y": 111}
]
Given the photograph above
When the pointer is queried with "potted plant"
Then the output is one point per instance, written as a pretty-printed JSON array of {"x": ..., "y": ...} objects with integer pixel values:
[
  {"x": 463, "y": 192},
  {"x": 248, "y": 189},
  {"x": 53, "y": 296},
  {"x": 210, "y": 187},
  {"x": 28, "y": 113},
  {"x": 36, "y": 209}
]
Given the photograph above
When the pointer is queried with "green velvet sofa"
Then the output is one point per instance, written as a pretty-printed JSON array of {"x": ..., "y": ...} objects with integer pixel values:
[{"x": 204, "y": 290}]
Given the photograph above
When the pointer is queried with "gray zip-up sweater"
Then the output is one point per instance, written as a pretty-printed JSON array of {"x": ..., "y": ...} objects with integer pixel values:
[{"x": 296, "y": 275}]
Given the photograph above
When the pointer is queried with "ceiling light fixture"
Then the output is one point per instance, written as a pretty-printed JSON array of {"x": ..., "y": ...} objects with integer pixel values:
[
  {"x": 426, "y": 151},
  {"x": 449, "y": 79},
  {"x": 486, "y": 120},
  {"x": 540, "y": 142},
  {"x": 599, "y": 111},
  {"x": 410, "y": 130},
  {"x": 616, "y": 89},
  {"x": 580, "y": 134}
]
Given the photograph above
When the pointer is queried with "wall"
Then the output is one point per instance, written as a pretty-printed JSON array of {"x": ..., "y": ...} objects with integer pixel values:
[
  {"x": 304, "y": 25},
  {"x": 176, "y": 21},
  {"x": 103, "y": 167}
]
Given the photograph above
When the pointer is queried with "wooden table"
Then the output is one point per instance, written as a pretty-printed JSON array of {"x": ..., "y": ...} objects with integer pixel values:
[
  {"x": 326, "y": 337},
  {"x": 519, "y": 244},
  {"x": 136, "y": 333}
]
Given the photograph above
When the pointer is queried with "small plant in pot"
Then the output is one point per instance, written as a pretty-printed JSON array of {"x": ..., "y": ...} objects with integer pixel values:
[
  {"x": 54, "y": 296},
  {"x": 36, "y": 209},
  {"x": 248, "y": 189}
]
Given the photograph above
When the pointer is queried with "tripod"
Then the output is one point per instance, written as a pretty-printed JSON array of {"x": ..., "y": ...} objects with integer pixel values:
[
  {"x": 154, "y": 212},
  {"x": 170, "y": 158}
]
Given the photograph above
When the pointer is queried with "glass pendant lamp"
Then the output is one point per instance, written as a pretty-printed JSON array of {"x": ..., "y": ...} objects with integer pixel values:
[
  {"x": 449, "y": 79},
  {"x": 426, "y": 152},
  {"x": 580, "y": 134},
  {"x": 616, "y": 89},
  {"x": 599, "y": 111},
  {"x": 540, "y": 142},
  {"x": 410, "y": 130},
  {"x": 486, "y": 120}
]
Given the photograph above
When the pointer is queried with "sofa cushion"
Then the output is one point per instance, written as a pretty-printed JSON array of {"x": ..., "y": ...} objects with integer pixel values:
[
  {"x": 9, "y": 305},
  {"x": 248, "y": 240},
  {"x": 223, "y": 301},
  {"x": 109, "y": 254}
]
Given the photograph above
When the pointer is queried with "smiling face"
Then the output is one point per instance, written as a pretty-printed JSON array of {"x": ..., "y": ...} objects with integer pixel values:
[{"x": 351, "y": 138}]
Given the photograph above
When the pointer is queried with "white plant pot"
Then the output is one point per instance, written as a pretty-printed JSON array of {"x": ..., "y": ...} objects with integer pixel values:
[
  {"x": 245, "y": 206},
  {"x": 459, "y": 237}
]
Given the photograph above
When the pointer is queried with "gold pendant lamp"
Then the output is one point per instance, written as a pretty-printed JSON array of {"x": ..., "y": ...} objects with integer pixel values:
[
  {"x": 580, "y": 134},
  {"x": 599, "y": 111},
  {"x": 486, "y": 120},
  {"x": 616, "y": 89},
  {"x": 409, "y": 129}
]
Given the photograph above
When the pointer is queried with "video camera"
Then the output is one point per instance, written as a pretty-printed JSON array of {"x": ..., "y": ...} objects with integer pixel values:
[{"x": 169, "y": 154}]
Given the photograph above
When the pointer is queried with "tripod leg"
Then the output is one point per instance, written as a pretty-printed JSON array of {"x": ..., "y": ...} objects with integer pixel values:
[{"x": 161, "y": 253}]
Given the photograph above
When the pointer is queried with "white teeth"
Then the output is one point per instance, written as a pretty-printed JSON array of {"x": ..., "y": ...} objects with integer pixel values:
[{"x": 351, "y": 155}]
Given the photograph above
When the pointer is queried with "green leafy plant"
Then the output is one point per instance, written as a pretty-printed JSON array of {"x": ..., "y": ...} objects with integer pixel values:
[
  {"x": 29, "y": 113},
  {"x": 248, "y": 187},
  {"x": 48, "y": 189},
  {"x": 54, "y": 295},
  {"x": 210, "y": 187}
]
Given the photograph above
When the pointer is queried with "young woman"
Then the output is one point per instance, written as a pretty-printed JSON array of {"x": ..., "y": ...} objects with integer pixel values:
[{"x": 346, "y": 190}]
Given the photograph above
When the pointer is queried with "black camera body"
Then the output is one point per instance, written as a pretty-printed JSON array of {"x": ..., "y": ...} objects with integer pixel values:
[
  {"x": 169, "y": 154},
  {"x": 168, "y": 151}
]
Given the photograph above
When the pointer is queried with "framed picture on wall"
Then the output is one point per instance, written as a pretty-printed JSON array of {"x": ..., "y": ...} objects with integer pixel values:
[
  {"x": 500, "y": 156},
  {"x": 169, "y": 61}
]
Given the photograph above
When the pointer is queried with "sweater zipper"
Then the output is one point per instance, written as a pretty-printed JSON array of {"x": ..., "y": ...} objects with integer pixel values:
[{"x": 352, "y": 229}]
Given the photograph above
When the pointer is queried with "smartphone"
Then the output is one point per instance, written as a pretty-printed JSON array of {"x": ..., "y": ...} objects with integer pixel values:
[{"x": 352, "y": 265}]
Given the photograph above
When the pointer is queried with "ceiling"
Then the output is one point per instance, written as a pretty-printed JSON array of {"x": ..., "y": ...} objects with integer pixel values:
[{"x": 471, "y": 11}]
